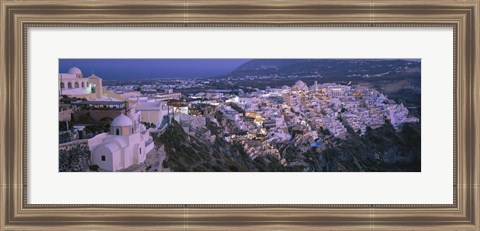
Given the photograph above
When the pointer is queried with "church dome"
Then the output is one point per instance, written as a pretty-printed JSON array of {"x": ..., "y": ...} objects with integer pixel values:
[
  {"x": 74, "y": 70},
  {"x": 122, "y": 121},
  {"x": 300, "y": 83}
]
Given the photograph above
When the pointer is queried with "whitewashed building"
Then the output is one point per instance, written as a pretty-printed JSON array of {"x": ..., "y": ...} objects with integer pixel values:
[
  {"x": 123, "y": 146},
  {"x": 152, "y": 112},
  {"x": 73, "y": 83}
]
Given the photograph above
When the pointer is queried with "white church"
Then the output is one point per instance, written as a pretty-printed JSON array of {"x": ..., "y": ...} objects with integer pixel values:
[
  {"x": 74, "y": 84},
  {"x": 123, "y": 146}
]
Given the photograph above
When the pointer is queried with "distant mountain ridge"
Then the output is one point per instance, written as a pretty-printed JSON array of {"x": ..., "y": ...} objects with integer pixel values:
[
  {"x": 267, "y": 63},
  {"x": 327, "y": 67}
]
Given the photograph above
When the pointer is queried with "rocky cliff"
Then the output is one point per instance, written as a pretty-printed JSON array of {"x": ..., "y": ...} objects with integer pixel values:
[{"x": 384, "y": 149}]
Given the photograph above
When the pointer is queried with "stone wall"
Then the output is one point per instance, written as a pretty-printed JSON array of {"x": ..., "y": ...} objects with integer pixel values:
[
  {"x": 97, "y": 115},
  {"x": 74, "y": 156}
]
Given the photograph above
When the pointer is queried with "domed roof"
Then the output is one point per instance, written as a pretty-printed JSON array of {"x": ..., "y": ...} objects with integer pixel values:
[
  {"x": 300, "y": 83},
  {"x": 74, "y": 70},
  {"x": 122, "y": 121}
]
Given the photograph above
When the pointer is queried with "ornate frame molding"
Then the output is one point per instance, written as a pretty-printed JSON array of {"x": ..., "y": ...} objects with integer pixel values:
[{"x": 17, "y": 16}]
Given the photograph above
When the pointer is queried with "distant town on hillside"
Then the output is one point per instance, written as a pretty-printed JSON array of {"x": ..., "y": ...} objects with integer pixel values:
[{"x": 239, "y": 115}]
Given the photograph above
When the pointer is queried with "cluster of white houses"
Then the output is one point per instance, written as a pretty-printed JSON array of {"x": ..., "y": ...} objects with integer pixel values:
[
  {"x": 277, "y": 115},
  {"x": 128, "y": 140}
]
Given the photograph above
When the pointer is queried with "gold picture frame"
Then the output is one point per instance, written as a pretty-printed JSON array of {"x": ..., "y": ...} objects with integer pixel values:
[{"x": 17, "y": 16}]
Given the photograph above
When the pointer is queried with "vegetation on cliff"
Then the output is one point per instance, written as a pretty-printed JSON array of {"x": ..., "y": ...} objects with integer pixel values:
[
  {"x": 380, "y": 150},
  {"x": 74, "y": 158},
  {"x": 384, "y": 149}
]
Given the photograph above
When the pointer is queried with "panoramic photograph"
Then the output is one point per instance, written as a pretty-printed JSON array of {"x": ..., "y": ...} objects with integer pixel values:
[{"x": 239, "y": 115}]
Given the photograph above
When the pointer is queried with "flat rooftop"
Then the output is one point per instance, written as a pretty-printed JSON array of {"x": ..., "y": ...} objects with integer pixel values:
[{"x": 99, "y": 103}]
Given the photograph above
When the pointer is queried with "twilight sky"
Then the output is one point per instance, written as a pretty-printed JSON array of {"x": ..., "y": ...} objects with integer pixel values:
[{"x": 151, "y": 68}]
